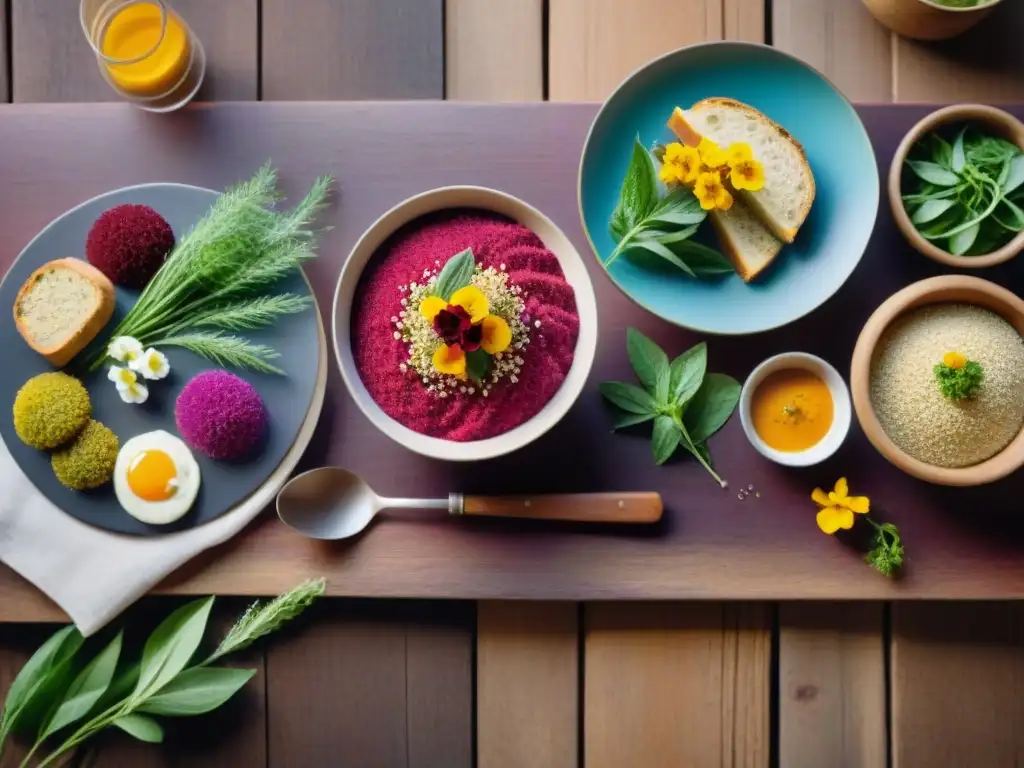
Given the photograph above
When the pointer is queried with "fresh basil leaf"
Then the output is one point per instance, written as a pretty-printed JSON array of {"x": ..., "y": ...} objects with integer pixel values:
[
  {"x": 664, "y": 252},
  {"x": 941, "y": 150},
  {"x": 705, "y": 453},
  {"x": 86, "y": 689},
  {"x": 41, "y": 679},
  {"x": 680, "y": 206},
  {"x": 680, "y": 218},
  {"x": 1015, "y": 176},
  {"x": 688, "y": 373},
  {"x": 631, "y": 420},
  {"x": 957, "y": 160},
  {"x": 711, "y": 407},
  {"x": 667, "y": 238},
  {"x": 455, "y": 274},
  {"x": 647, "y": 358},
  {"x": 478, "y": 363},
  {"x": 639, "y": 193},
  {"x": 701, "y": 259},
  {"x": 628, "y": 397},
  {"x": 141, "y": 727},
  {"x": 197, "y": 691},
  {"x": 932, "y": 173},
  {"x": 618, "y": 226},
  {"x": 665, "y": 439},
  {"x": 172, "y": 644},
  {"x": 930, "y": 210},
  {"x": 661, "y": 386},
  {"x": 962, "y": 241},
  {"x": 120, "y": 687}
]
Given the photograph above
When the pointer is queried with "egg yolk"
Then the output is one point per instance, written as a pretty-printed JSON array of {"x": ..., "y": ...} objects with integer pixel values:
[{"x": 152, "y": 475}]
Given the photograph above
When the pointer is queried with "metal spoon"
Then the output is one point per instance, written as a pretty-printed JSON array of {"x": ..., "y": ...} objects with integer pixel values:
[{"x": 333, "y": 503}]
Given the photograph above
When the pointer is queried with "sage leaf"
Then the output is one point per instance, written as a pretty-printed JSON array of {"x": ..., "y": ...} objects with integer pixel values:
[
  {"x": 711, "y": 407},
  {"x": 455, "y": 274},
  {"x": 665, "y": 440},
  {"x": 478, "y": 363},
  {"x": 688, "y": 373},
  {"x": 1015, "y": 176},
  {"x": 628, "y": 397},
  {"x": 86, "y": 689},
  {"x": 141, "y": 727},
  {"x": 701, "y": 259},
  {"x": 957, "y": 159},
  {"x": 680, "y": 206},
  {"x": 664, "y": 252},
  {"x": 172, "y": 644},
  {"x": 647, "y": 358},
  {"x": 931, "y": 210},
  {"x": 962, "y": 241},
  {"x": 631, "y": 419},
  {"x": 667, "y": 238},
  {"x": 933, "y": 174},
  {"x": 197, "y": 691},
  {"x": 679, "y": 217},
  {"x": 639, "y": 193},
  {"x": 43, "y": 676}
]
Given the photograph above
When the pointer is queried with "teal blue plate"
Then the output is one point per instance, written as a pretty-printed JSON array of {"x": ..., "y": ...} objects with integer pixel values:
[{"x": 831, "y": 241}]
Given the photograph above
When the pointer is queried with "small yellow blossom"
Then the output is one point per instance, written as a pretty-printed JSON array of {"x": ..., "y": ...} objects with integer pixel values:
[
  {"x": 711, "y": 154},
  {"x": 473, "y": 300},
  {"x": 450, "y": 360},
  {"x": 738, "y": 152},
  {"x": 838, "y": 507},
  {"x": 711, "y": 192},
  {"x": 680, "y": 164},
  {"x": 431, "y": 305},
  {"x": 748, "y": 175},
  {"x": 954, "y": 360},
  {"x": 496, "y": 335}
]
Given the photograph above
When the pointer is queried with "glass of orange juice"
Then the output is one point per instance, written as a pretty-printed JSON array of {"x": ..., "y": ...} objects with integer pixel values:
[{"x": 145, "y": 51}]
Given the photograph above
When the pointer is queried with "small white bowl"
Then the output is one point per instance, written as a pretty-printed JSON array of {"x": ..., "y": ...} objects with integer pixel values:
[
  {"x": 841, "y": 417},
  {"x": 575, "y": 274}
]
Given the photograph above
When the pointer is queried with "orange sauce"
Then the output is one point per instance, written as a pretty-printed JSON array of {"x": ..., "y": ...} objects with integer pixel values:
[
  {"x": 792, "y": 410},
  {"x": 135, "y": 31}
]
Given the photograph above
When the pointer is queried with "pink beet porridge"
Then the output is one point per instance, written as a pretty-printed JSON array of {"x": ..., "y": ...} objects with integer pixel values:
[{"x": 463, "y": 325}]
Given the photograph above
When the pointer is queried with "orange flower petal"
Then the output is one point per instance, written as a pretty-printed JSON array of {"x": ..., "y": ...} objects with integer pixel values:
[
  {"x": 431, "y": 305},
  {"x": 450, "y": 360},
  {"x": 471, "y": 299},
  {"x": 496, "y": 335}
]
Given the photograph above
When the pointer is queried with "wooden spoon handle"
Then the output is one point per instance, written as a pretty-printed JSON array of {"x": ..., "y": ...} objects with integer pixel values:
[{"x": 577, "y": 507}]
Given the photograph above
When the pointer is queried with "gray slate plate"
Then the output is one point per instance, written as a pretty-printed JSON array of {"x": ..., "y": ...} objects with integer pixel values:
[{"x": 223, "y": 485}]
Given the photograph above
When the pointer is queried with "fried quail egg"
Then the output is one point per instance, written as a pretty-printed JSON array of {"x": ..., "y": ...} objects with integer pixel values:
[{"x": 156, "y": 478}]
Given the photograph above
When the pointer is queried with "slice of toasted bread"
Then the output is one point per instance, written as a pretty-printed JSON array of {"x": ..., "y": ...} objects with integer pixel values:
[
  {"x": 744, "y": 240},
  {"x": 62, "y": 307},
  {"x": 785, "y": 200}
]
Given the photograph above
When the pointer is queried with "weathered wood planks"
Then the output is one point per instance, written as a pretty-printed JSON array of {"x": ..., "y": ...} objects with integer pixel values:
[{"x": 352, "y": 49}]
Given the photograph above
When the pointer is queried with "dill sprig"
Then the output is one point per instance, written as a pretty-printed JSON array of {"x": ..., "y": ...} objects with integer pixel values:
[
  {"x": 239, "y": 249},
  {"x": 259, "y": 620},
  {"x": 886, "y": 548},
  {"x": 959, "y": 383}
]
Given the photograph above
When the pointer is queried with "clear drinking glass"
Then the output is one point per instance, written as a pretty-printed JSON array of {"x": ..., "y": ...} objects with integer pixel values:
[{"x": 145, "y": 51}]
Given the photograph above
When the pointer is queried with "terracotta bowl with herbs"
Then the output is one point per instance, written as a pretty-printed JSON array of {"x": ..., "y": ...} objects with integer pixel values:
[
  {"x": 937, "y": 380},
  {"x": 956, "y": 186},
  {"x": 930, "y": 19}
]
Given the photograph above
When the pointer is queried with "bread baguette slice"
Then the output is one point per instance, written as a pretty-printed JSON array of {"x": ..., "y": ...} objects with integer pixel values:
[
  {"x": 785, "y": 200},
  {"x": 62, "y": 307},
  {"x": 744, "y": 240}
]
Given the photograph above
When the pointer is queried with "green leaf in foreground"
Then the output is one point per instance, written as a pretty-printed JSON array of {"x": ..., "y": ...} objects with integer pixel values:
[
  {"x": 456, "y": 274},
  {"x": 933, "y": 173},
  {"x": 478, "y": 363},
  {"x": 197, "y": 691},
  {"x": 665, "y": 439},
  {"x": 688, "y": 372},
  {"x": 639, "y": 193},
  {"x": 171, "y": 646},
  {"x": 226, "y": 350},
  {"x": 648, "y": 360},
  {"x": 622, "y": 421},
  {"x": 141, "y": 727},
  {"x": 711, "y": 407},
  {"x": 628, "y": 397},
  {"x": 87, "y": 689}
]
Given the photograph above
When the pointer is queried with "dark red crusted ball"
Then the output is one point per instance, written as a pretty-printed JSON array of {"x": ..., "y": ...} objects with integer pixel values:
[{"x": 128, "y": 244}]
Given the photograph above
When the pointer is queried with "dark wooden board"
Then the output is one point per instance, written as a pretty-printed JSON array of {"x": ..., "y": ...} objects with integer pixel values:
[
  {"x": 352, "y": 49},
  {"x": 52, "y": 61},
  {"x": 961, "y": 543}
]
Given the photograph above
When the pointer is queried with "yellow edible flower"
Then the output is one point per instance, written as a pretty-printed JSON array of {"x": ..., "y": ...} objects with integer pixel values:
[
  {"x": 838, "y": 507},
  {"x": 954, "y": 360},
  {"x": 680, "y": 164},
  {"x": 496, "y": 335},
  {"x": 738, "y": 152},
  {"x": 472, "y": 300},
  {"x": 450, "y": 360},
  {"x": 748, "y": 175},
  {"x": 711, "y": 192},
  {"x": 711, "y": 154},
  {"x": 431, "y": 305}
]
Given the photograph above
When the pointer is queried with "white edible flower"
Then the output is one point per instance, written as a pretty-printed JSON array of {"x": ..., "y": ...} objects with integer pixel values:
[
  {"x": 128, "y": 384},
  {"x": 152, "y": 365},
  {"x": 125, "y": 349}
]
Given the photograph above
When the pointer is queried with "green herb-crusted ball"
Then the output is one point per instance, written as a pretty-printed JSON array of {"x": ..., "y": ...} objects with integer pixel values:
[
  {"x": 88, "y": 460},
  {"x": 50, "y": 409}
]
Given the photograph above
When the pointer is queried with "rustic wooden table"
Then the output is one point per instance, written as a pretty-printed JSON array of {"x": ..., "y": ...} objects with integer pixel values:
[{"x": 440, "y": 683}]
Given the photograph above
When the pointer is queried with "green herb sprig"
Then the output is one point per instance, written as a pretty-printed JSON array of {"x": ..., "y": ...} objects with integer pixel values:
[
  {"x": 886, "y": 552},
  {"x": 661, "y": 225},
  {"x": 55, "y": 696},
  {"x": 218, "y": 274},
  {"x": 686, "y": 403},
  {"x": 959, "y": 383},
  {"x": 969, "y": 194}
]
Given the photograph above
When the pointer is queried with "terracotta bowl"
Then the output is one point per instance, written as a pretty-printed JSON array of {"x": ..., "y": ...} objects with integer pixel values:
[
  {"x": 926, "y": 20},
  {"x": 935, "y": 290},
  {"x": 999, "y": 122}
]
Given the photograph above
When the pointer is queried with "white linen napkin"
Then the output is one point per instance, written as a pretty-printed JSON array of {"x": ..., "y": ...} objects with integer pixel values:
[{"x": 94, "y": 574}]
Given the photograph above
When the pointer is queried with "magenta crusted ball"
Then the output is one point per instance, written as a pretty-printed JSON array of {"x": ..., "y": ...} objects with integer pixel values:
[{"x": 220, "y": 415}]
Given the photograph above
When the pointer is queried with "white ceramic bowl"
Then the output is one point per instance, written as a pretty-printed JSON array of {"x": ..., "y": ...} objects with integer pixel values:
[
  {"x": 575, "y": 273},
  {"x": 840, "y": 401}
]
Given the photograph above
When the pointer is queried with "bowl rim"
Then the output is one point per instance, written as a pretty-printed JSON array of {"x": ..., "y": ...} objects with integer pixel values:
[
  {"x": 842, "y": 408},
  {"x": 932, "y": 290},
  {"x": 432, "y": 201},
  {"x": 739, "y": 44},
  {"x": 993, "y": 116},
  {"x": 987, "y": 6}
]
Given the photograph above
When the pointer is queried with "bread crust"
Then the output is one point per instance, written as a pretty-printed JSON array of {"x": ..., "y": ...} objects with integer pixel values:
[
  {"x": 61, "y": 355},
  {"x": 732, "y": 254},
  {"x": 785, "y": 234}
]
